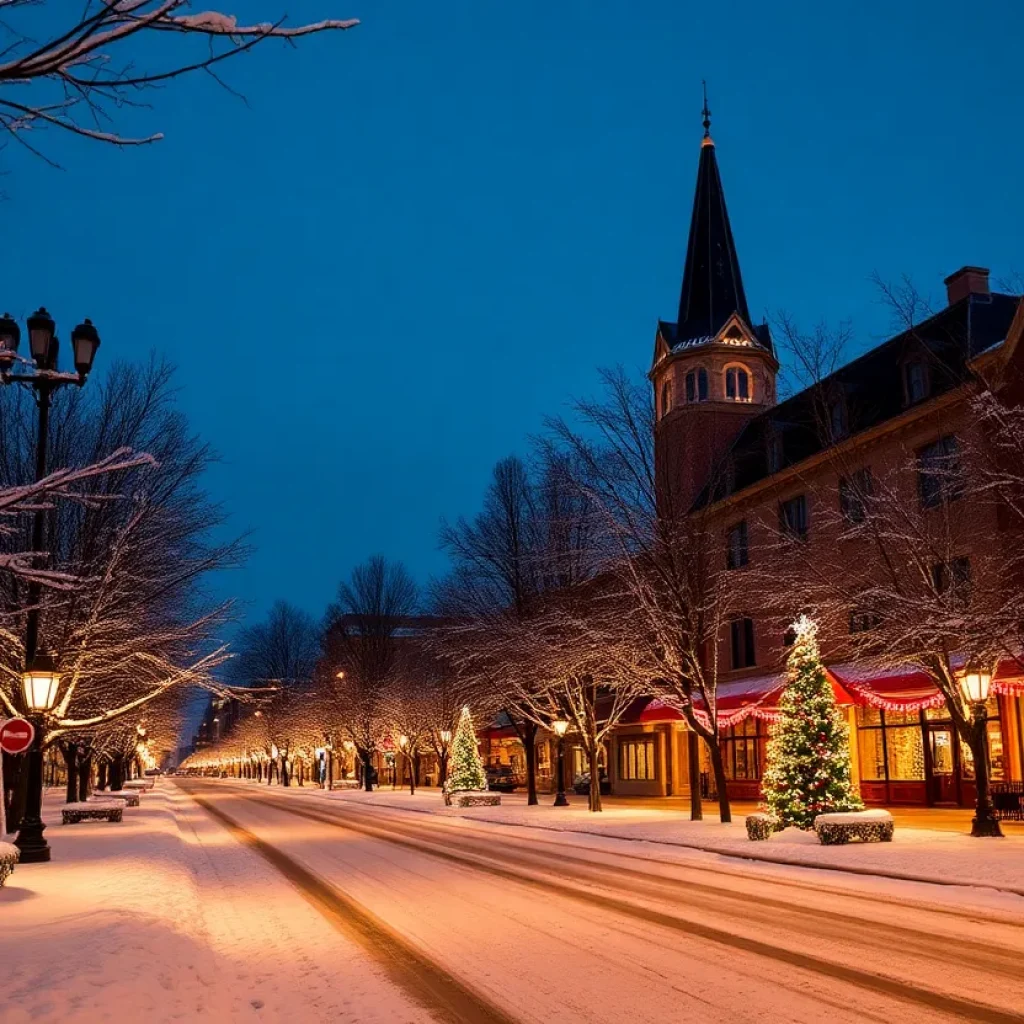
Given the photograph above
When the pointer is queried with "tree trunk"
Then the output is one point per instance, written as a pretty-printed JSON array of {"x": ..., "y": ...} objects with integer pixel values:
[
  {"x": 693, "y": 760},
  {"x": 116, "y": 781},
  {"x": 364, "y": 756},
  {"x": 84, "y": 776},
  {"x": 70, "y": 752},
  {"x": 530, "y": 749},
  {"x": 721, "y": 783},
  {"x": 103, "y": 771},
  {"x": 283, "y": 772},
  {"x": 442, "y": 775},
  {"x": 412, "y": 774},
  {"x": 593, "y": 758},
  {"x": 985, "y": 823}
]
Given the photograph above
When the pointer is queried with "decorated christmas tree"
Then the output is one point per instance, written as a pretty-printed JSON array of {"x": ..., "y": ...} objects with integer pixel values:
[
  {"x": 465, "y": 768},
  {"x": 808, "y": 769}
]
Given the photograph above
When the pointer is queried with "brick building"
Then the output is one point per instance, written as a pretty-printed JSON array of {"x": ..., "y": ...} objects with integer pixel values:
[{"x": 747, "y": 460}]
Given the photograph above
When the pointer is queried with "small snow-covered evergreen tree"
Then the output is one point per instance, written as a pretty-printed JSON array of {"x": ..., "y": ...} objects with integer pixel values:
[
  {"x": 808, "y": 769},
  {"x": 465, "y": 768}
]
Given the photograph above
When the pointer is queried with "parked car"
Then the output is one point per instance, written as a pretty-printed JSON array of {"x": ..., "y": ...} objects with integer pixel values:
[
  {"x": 501, "y": 778},
  {"x": 581, "y": 784}
]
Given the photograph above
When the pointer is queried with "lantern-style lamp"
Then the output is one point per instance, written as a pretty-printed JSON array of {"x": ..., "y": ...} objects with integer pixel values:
[
  {"x": 10, "y": 338},
  {"x": 403, "y": 741},
  {"x": 41, "y": 341},
  {"x": 560, "y": 727},
  {"x": 40, "y": 682},
  {"x": 274, "y": 752},
  {"x": 446, "y": 736},
  {"x": 85, "y": 340},
  {"x": 975, "y": 685}
]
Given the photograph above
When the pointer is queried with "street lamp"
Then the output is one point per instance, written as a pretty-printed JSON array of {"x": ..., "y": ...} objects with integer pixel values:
[
  {"x": 40, "y": 679},
  {"x": 39, "y": 682},
  {"x": 975, "y": 686},
  {"x": 560, "y": 727}
]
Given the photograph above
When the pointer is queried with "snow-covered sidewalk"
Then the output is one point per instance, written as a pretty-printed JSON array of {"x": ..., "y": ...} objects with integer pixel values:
[
  {"x": 167, "y": 917},
  {"x": 915, "y": 854}
]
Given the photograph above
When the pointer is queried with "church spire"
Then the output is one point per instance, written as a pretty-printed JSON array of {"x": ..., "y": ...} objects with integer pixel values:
[{"x": 712, "y": 287}]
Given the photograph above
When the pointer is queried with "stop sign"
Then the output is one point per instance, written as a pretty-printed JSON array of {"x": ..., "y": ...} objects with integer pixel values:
[{"x": 16, "y": 736}]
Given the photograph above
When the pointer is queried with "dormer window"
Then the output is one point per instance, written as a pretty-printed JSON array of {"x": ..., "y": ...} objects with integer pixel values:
[
  {"x": 916, "y": 382},
  {"x": 697, "y": 385},
  {"x": 666, "y": 397},
  {"x": 737, "y": 384},
  {"x": 837, "y": 425},
  {"x": 774, "y": 451}
]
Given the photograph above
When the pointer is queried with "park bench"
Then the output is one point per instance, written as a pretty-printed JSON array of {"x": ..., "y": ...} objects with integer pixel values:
[
  {"x": 111, "y": 810},
  {"x": 9, "y": 855},
  {"x": 129, "y": 796},
  {"x": 866, "y": 826}
]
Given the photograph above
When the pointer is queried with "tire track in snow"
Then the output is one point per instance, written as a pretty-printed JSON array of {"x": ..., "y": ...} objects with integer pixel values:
[
  {"x": 447, "y": 998},
  {"x": 408, "y": 835}
]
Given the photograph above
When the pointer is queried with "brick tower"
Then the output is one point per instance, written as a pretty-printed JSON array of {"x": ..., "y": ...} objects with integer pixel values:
[{"x": 713, "y": 371}]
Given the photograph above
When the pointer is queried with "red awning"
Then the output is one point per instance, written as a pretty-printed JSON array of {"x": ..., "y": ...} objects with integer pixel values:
[
  {"x": 897, "y": 688},
  {"x": 1009, "y": 677}
]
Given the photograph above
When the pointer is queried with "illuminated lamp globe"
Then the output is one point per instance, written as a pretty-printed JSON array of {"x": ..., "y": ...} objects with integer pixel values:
[
  {"x": 446, "y": 736},
  {"x": 975, "y": 685},
  {"x": 40, "y": 682},
  {"x": 560, "y": 727}
]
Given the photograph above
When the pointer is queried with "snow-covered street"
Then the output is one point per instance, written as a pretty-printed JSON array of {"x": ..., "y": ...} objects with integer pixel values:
[{"x": 220, "y": 900}]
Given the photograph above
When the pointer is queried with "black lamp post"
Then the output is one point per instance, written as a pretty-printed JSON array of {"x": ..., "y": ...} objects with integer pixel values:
[
  {"x": 975, "y": 686},
  {"x": 40, "y": 375},
  {"x": 561, "y": 727}
]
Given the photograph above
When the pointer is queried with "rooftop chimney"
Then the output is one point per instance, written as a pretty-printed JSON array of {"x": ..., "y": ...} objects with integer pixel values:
[{"x": 967, "y": 281}]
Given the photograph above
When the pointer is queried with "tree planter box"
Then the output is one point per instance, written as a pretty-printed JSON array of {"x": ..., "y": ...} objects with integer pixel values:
[
  {"x": 74, "y": 813},
  {"x": 762, "y": 826},
  {"x": 864, "y": 826},
  {"x": 9, "y": 855},
  {"x": 471, "y": 798},
  {"x": 139, "y": 784}
]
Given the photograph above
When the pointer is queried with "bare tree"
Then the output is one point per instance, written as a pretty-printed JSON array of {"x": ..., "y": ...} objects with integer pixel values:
[
  {"x": 74, "y": 68},
  {"x": 361, "y": 652},
  {"x": 499, "y": 574},
  {"x": 282, "y": 649},
  {"x": 672, "y": 594}
]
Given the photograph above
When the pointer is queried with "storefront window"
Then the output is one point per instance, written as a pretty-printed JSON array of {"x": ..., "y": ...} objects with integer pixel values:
[
  {"x": 995, "y": 754},
  {"x": 637, "y": 760},
  {"x": 742, "y": 745},
  {"x": 891, "y": 746}
]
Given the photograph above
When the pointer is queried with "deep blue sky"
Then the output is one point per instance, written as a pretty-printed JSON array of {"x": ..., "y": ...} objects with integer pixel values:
[{"x": 423, "y": 235}]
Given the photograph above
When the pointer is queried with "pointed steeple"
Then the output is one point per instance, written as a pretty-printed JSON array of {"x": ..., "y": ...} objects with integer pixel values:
[{"x": 712, "y": 287}]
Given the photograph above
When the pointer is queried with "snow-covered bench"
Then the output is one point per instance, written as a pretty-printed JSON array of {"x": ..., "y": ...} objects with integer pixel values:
[
  {"x": 867, "y": 826},
  {"x": 129, "y": 796},
  {"x": 139, "y": 784},
  {"x": 110, "y": 810},
  {"x": 9, "y": 855}
]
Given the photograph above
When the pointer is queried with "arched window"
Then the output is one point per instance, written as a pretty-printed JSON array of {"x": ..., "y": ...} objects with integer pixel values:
[
  {"x": 697, "y": 385},
  {"x": 737, "y": 384},
  {"x": 666, "y": 397}
]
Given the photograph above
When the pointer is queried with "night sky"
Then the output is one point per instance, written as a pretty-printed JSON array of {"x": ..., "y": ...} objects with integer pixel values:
[{"x": 420, "y": 237}]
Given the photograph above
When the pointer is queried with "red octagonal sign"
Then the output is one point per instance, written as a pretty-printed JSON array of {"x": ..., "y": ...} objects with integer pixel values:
[{"x": 16, "y": 736}]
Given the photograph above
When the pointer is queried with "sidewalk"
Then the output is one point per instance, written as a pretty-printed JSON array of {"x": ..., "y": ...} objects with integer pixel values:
[
  {"x": 166, "y": 917},
  {"x": 916, "y": 854}
]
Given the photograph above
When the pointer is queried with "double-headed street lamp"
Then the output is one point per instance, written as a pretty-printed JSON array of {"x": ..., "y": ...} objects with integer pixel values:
[
  {"x": 40, "y": 680},
  {"x": 560, "y": 727}
]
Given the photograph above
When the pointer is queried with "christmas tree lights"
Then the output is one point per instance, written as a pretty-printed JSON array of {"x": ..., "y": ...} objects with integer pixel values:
[
  {"x": 465, "y": 767},
  {"x": 808, "y": 769}
]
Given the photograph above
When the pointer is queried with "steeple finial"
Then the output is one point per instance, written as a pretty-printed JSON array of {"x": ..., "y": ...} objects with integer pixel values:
[{"x": 706, "y": 112}]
